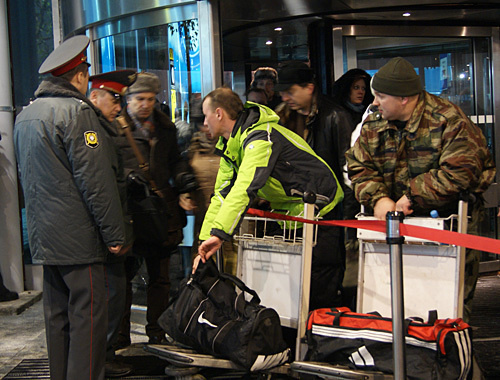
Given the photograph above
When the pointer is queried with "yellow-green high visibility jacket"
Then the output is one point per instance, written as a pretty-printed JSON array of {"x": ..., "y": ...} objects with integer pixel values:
[{"x": 264, "y": 159}]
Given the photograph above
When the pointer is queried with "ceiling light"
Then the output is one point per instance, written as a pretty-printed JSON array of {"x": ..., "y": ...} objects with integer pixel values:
[
  {"x": 406, "y": 14},
  {"x": 269, "y": 42},
  {"x": 278, "y": 29}
]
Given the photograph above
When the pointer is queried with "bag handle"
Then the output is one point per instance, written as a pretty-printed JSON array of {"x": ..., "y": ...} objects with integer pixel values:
[
  {"x": 241, "y": 285},
  {"x": 337, "y": 313},
  {"x": 137, "y": 153}
]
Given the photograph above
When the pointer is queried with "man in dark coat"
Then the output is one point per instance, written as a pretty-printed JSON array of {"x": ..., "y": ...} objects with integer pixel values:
[
  {"x": 156, "y": 138},
  {"x": 74, "y": 216},
  {"x": 327, "y": 128},
  {"x": 106, "y": 94}
]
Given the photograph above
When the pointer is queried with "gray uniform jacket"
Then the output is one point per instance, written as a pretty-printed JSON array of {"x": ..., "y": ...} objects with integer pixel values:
[{"x": 68, "y": 173}]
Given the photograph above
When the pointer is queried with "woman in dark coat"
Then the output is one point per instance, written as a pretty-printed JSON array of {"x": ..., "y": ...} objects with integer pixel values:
[{"x": 352, "y": 91}]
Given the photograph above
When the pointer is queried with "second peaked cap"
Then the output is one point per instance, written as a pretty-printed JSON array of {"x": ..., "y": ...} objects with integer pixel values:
[{"x": 116, "y": 81}]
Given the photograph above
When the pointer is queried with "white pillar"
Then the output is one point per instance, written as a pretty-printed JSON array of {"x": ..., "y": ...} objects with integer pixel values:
[{"x": 11, "y": 260}]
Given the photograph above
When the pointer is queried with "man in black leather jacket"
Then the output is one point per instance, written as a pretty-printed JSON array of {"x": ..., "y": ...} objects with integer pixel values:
[{"x": 327, "y": 128}]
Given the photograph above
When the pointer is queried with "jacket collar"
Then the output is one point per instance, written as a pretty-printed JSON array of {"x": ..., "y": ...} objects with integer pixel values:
[
  {"x": 252, "y": 115},
  {"x": 412, "y": 124}
]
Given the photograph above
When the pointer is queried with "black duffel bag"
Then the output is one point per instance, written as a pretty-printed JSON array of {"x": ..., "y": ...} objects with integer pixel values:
[{"x": 209, "y": 316}]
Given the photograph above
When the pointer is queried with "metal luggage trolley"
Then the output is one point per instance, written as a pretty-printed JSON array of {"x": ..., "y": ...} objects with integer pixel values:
[
  {"x": 433, "y": 273},
  {"x": 278, "y": 268}
]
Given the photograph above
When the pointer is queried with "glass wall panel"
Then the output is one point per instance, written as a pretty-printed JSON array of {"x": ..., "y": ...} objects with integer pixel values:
[
  {"x": 445, "y": 68},
  {"x": 170, "y": 51}
]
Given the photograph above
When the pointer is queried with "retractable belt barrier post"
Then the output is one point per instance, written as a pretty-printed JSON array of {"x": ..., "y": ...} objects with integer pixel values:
[{"x": 395, "y": 242}]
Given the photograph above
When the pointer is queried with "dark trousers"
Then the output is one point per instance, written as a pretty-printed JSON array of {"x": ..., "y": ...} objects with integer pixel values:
[
  {"x": 164, "y": 267},
  {"x": 327, "y": 269},
  {"x": 75, "y": 311},
  {"x": 116, "y": 284}
]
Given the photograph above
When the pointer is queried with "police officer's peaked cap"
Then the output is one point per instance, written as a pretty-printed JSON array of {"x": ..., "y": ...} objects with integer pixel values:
[
  {"x": 66, "y": 56},
  {"x": 115, "y": 82}
]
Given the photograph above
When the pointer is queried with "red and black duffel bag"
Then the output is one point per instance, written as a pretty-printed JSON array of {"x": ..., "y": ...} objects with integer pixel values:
[{"x": 440, "y": 349}]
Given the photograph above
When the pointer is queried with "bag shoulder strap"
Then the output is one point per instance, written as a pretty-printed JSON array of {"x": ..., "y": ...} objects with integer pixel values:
[{"x": 137, "y": 153}]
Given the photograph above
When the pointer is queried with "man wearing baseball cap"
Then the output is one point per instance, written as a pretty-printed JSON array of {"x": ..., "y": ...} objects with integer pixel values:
[
  {"x": 106, "y": 92},
  {"x": 326, "y": 127},
  {"x": 67, "y": 169},
  {"x": 419, "y": 153}
]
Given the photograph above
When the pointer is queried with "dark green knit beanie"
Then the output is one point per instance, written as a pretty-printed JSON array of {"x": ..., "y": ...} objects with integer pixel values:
[{"x": 398, "y": 78}]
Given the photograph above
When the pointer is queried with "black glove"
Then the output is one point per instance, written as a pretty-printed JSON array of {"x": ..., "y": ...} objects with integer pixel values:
[{"x": 137, "y": 185}]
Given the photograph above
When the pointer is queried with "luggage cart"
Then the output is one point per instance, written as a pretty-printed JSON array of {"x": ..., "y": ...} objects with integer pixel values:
[
  {"x": 433, "y": 273},
  {"x": 278, "y": 268}
]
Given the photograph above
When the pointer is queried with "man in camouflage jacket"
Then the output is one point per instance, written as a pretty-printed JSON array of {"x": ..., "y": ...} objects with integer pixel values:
[{"x": 419, "y": 153}]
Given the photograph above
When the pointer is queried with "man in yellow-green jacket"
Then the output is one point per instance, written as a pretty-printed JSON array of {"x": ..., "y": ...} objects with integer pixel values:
[{"x": 263, "y": 159}]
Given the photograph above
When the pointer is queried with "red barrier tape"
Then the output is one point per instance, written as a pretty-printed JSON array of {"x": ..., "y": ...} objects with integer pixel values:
[{"x": 443, "y": 236}]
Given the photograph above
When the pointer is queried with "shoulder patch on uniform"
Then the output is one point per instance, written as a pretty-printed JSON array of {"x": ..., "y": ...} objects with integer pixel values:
[{"x": 91, "y": 139}]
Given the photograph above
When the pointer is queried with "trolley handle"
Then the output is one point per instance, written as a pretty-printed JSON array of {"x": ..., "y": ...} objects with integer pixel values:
[{"x": 310, "y": 197}]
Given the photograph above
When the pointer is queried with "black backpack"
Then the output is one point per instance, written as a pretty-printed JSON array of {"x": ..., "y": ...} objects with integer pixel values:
[{"x": 209, "y": 316}]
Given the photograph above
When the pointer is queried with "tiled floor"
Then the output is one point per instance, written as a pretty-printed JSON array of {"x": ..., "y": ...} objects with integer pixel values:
[{"x": 22, "y": 336}]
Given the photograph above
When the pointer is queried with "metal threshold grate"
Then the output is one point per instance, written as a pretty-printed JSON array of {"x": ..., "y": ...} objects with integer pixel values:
[{"x": 36, "y": 369}]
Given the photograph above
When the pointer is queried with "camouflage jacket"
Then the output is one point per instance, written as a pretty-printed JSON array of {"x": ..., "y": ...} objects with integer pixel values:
[{"x": 436, "y": 156}]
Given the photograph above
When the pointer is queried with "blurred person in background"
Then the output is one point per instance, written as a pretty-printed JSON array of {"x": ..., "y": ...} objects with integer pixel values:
[
  {"x": 352, "y": 91},
  {"x": 326, "y": 127},
  {"x": 266, "y": 78},
  {"x": 256, "y": 95}
]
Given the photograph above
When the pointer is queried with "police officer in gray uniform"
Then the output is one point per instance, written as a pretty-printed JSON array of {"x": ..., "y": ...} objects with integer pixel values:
[
  {"x": 106, "y": 93},
  {"x": 74, "y": 216}
]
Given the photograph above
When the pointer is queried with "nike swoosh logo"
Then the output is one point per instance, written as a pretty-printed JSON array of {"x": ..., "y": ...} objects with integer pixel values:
[{"x": 206, "y": 321}]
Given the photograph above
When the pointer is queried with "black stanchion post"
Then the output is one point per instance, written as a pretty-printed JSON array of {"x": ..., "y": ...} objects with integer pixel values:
[{"x": 395, "y": 242}]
